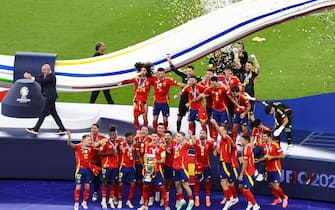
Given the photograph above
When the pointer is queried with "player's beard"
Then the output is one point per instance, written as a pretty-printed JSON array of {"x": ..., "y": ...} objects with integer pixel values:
[{"x": 202, "y": 138}]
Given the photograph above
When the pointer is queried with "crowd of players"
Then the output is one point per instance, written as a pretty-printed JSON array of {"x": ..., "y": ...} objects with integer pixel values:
[{"x": 228, "y": 89}]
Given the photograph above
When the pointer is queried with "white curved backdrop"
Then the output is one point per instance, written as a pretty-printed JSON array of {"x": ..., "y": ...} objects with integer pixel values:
[{"x": 185, "y": 43}]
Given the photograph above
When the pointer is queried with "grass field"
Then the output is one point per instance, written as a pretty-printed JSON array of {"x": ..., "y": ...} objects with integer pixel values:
[{"x": 296, "y": 59}]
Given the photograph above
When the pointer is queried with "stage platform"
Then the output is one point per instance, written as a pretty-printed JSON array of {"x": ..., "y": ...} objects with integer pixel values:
[{"x": 308, "y": 168}]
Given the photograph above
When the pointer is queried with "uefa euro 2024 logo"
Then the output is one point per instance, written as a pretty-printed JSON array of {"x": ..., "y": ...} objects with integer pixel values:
[{"x": 24, "y": 92}]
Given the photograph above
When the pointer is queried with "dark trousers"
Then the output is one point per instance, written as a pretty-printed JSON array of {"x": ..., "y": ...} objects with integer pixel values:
[
  {"x": 49, "y": 108},
  {"x": 107, "y": 94}
]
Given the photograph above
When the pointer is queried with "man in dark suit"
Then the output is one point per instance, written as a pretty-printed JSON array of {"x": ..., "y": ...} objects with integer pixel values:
[
  {"x": 48, "y": 85},
  {"x": 99, "y": 50}
]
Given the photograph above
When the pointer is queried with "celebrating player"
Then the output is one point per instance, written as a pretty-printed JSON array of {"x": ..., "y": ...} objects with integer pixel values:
[
  {"x": 197, "y": 110},
  {"x": 246, "y": 176},
  {"x": 224, "y": 148},
  {"x": 162, "y": 86},
  {"x": 168, "y": 165},
  {"x": 142, "y": 84},
  {"x": 108, "y": 152},
  {"x": 84, "y": 174},
  {"x": 240, "y": 112},
  {"x": 154, "y": 159},
  {"x": 127, "y": 171},
  {"x": 142, "y": 139},
  {"x": 203, "y": 147},
  {"x": 96, "y": 136},
  {"x": 272, "y": 155},
  {"x": 180, "y": 174}
]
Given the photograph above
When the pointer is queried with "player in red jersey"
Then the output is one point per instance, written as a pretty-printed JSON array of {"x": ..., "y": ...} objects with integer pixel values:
[
  {"x": 108, "y": 152},
  {"x": 154, "y": 158},
  {"x": 203, "y": 148},
  {"x": 162, "y": 86},
  {"x": 272, "y": 155},
  {"x": 230, "y": 81},
  {"x": 206, "y": 82},
  {"x": 142, "y": 84},
  {"x": 142, "y": 139},
  {"x": 180, "y": 172},
  {"x": 219, "y": 94},
  {"x": 246, "y": 176},
  {"x": 224, "y": 148},
  {"x": 84, "y": 173},
  {"x": 96, "y": 136},
  {"x": 258, "y": 145},
  {"x": 197, "y": 110},
  {"x": 240, "y": 112},
  {"x": 168, "y": 165},
  {"x": 127, "y": 171}
]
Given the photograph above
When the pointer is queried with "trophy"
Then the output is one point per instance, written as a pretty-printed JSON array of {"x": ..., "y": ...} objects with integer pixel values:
[{"x": 149, "y": 168}]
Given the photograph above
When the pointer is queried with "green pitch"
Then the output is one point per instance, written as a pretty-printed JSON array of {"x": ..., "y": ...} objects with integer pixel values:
[{"x": 296, "y": 58}]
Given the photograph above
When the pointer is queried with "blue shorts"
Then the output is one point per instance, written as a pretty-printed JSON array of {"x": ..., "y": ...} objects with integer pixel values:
[
  {"x": 180, "y": 175},
  {"x": 193, "y": 115},
  {"x": 164, "y": 107},
  {"x": 84, "y": 175},
  {"x": 274, "y": 176},
  {"x": 168, "y": 172},
  {"x": 209, "y": 112},
  {"x": 207, "y": 174},
  {"x": 224, "y": 170},
  {"x": 220, "y": 117},
  {"x": 157, "y": 180},
  {"x": 109, "y": 174},
  {"x": 239, "y": 120},
  {"x": 234, "y": 175},
  {"x": 248, "y": 182},
  {"x": 139, "y": 171},
  {"x": 127, "y": 175}
]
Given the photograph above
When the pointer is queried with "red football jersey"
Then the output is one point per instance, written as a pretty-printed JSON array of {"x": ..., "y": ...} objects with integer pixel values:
[
  {"x": 109, "y": 161},
  {"x": 180, "y": 155},
  {"x": 257, "y": 134},
  {"x": 83, "y": 155},
  {"x": 162, "y": 88},
  {"x": 159, "y": 151},
  {"x": 273, "y": 149},
  {"x": 225, "y": 149},
  {"x": 141, "y": 87},
  {"x": 202, "y": 151},
  {"x": 140, "y": 146},
  {"x": 249, "y": 156},
  {"x": 209, "y": 102},
  {"x": 219, "y": 97},
  {"x": 128, "y": 156},
  {"x": 192, "y": 93},
  {"x": 231, "y": 82},
  {"x": 235, "y": 163},
  {"x": 241, "y": 100},
  {"x": 95, "y": 138},
  {"x": 169, "y": 153}
]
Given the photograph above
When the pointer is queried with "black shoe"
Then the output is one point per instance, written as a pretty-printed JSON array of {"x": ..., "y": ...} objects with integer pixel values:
[
  {"x": 32, "y": 131},
  {"x": 61, "y": 132}
]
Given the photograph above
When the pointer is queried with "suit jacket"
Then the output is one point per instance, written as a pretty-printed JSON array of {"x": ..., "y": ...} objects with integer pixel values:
[{"x": 48, "y": 85}]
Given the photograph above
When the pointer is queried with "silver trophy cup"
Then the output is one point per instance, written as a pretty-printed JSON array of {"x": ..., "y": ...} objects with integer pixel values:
[{"x": 149, "y": 168}]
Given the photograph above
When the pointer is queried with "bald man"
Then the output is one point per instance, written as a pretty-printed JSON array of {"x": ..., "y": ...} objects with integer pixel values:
[{"x": 47, "y": 80}]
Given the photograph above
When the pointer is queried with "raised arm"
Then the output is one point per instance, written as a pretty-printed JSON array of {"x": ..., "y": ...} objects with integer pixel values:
[{"x": 69, "y": 143}]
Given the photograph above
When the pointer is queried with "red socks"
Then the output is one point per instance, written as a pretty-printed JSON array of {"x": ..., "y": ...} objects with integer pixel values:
[
  {"x": 76, "y": 195},
  {"x": 131, "y": 191}
]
